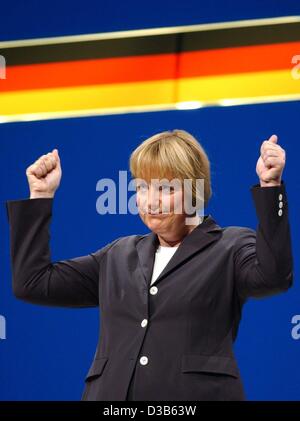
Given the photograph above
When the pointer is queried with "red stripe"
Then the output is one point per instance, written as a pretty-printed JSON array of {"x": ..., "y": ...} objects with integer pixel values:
[
  {"x": 89, "y": 72},
  {"x": 238, "y": 60}
]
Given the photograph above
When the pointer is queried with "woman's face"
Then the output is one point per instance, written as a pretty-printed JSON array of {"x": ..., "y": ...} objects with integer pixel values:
[{"x": 160, "y": 204}]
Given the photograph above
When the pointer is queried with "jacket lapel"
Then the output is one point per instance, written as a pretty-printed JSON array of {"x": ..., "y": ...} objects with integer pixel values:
[{"x": 204, "y": 234}]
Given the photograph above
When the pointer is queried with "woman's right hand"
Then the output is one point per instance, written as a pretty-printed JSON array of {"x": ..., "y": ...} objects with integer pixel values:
[{"x": 44, "y": 175}]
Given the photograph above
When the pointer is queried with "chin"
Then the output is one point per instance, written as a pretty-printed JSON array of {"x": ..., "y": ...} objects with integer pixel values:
[{"x": 155, "y": 224}]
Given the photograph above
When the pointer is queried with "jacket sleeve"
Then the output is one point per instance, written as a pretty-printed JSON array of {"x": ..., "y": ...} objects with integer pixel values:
[
  {"x": 66, "y": 283},
  {"x": 263, "y": 259}
]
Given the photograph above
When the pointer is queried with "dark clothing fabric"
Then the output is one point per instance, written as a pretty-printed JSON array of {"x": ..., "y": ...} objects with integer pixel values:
[{"x": 172, "y": 340}]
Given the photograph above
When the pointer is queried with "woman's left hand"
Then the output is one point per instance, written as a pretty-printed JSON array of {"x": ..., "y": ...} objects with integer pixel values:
[{"x": 271, "y": 162}]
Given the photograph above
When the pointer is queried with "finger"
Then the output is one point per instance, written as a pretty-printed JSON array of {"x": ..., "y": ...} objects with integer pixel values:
[
  {"x": 271, "y": 174},
  {"x": 55, "y": 154},
  {"x": 34, "y": 170},
  {"x": 273, "y": 138},
  {"x": 31, "y": 170},
  {"x": 272, "y": 162},
  {"x": 270, "y": 153},
  {"x": 52, "y": 159},
  {"x": 41, "y": 168},
  {"x": 266, "y": 145},
  {"x": 49, "y": 163}
]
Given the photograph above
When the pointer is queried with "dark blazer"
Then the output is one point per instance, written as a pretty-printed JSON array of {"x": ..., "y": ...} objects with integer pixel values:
[{"x": 172, "y": 340}]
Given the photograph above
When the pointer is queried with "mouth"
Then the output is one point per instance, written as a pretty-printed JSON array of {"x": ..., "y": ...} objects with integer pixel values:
[{"x": 157, "y": 213}]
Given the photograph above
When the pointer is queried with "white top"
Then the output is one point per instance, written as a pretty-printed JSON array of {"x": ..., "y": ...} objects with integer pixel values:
[
  {"x": 162, "y": 257},
  {"x": 164, "y": 254}
]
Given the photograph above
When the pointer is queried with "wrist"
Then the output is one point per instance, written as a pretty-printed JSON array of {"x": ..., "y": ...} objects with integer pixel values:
[
  {"x": 40, "y": 195},
  {"x": 270, "y": 183}
]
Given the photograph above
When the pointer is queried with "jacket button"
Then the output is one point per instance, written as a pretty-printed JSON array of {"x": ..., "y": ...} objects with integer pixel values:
[
  {"x": 280, "y": 205},
  {"x": 144, "y": 360},
  {"x": 144, "y": 323},
  {"x": 280, "y": 197},
  {"x": 280, "y": 212},
  {"x": 153, "y": 290}
]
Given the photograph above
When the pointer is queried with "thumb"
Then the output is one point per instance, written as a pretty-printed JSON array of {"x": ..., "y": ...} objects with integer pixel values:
[
  {"x": 273, "y": 138},
  {"x": 55, "y": 152}
]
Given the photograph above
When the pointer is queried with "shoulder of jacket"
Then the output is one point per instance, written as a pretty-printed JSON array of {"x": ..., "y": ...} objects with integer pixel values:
[
  {"x": 235, "y": 238},
  {"x": 120, "y": 242},
  {"x": 237, "y": 234}
]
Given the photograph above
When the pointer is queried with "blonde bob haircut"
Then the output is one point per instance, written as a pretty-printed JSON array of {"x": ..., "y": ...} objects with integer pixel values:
[{"x": 172, "y": 154}]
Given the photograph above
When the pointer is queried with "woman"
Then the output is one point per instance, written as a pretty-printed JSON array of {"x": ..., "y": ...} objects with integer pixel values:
[{"x": 170, "y": 301}]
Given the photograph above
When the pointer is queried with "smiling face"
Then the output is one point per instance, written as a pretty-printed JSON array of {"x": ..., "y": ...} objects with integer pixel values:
[
  {"x": 164, "y": 204},
  {"x": 161, "y": 204}
]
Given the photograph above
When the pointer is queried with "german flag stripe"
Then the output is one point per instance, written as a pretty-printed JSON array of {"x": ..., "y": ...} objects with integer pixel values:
[
  {"x": 89, "y": 72},
  {"x": 238, "y": 60}
]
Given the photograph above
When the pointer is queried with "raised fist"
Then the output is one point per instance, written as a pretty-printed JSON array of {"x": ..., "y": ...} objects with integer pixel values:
[
  {"x": 271, "y": 162},
  {"x": 44, "y": 175}
]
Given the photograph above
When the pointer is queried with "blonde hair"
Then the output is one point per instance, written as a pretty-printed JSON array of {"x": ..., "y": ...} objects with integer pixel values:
[{"x": 173, "y": 153}]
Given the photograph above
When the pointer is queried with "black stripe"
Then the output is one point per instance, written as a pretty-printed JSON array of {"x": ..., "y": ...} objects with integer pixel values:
[
  {"x": 155, "y": 44},
  {"x": 85, "y": 50},
  {"x": 239, "y": 37}
]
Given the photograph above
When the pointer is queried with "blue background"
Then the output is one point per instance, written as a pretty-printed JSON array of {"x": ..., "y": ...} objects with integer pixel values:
[{"x": 48, "y": 350}]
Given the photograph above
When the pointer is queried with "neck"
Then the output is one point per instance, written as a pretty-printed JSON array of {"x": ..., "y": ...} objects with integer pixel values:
[{"x": 168, "y": 243}]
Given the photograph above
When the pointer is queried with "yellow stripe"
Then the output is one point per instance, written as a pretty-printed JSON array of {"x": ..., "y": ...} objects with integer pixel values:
[
  {"x": 90, "y": 97},
  {"x": 143, "y": 109},
  {"x": 134, "y": 97},
  {"x": 255, "y": 85}
]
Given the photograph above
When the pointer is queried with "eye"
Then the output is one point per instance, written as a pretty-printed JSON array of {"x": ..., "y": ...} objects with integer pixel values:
[
  {"x": 142, "y": 187},
  {"x": 166, "y": 188}
]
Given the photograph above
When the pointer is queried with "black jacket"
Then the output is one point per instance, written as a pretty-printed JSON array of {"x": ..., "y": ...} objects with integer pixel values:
[{"x": 172, "y": 340}]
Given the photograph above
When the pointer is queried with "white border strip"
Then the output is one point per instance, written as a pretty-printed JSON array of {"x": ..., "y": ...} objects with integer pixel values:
[
  {"x": 149, "y": 32},
  {"x": 142, "y": 109}
]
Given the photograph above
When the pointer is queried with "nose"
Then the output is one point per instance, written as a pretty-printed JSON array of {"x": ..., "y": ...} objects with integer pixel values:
[{"x": 153, "y": 198}]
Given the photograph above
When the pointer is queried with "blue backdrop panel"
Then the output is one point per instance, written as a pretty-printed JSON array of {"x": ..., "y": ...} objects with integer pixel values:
[
  {"x": 34, "y": 18},
  {"x": 47, "y": 351},
  {"x": 53, "y": 347}
]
